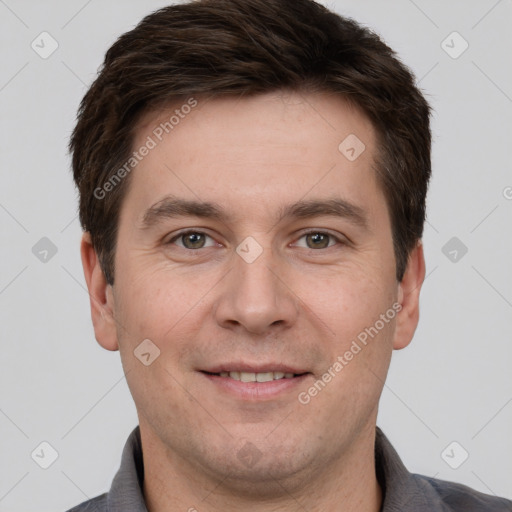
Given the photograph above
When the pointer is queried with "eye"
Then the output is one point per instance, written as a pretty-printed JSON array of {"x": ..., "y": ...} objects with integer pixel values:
[
  {"x": 319, "y": 240},
  {"x": 191, "y": 240},
  {"x": 197, "y": 240}
]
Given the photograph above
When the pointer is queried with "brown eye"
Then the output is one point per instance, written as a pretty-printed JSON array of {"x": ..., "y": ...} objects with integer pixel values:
[
  {"x": 190, "y": 240},
  {"x": 317, "y": 240},
  {"x": 193, "y": 240}
]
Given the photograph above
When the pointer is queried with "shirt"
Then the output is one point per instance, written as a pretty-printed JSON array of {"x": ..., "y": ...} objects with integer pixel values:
[{"x": 402, "y": 491}]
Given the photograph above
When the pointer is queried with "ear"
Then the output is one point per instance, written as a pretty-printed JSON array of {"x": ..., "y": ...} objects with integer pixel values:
[
  {"x": 408, "y": 296},
  {"x": 100, "y": 296}
]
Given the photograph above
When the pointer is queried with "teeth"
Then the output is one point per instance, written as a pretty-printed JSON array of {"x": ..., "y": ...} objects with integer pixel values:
[
  {"x": 264, "y": 377},
  {"x": 257, "y": 377},
  {"x": 247, "y": 377}
]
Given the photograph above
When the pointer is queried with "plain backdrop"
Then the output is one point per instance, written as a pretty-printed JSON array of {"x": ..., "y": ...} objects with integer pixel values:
[{"x": 448, "y": 395}]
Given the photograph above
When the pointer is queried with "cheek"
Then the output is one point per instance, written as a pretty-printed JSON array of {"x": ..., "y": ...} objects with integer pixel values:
[
  {"x": 152, "y": 299},
  {"x": 346, "y": 300},
  {"x": 359, "y": 310},
  {"x": 156, "y": 306}
]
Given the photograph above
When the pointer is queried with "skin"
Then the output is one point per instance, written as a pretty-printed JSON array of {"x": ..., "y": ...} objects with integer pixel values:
[{"x": 295, "y": 304}]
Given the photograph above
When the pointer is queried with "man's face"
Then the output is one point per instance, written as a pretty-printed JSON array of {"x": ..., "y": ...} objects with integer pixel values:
[{"x": 255, "y": 291}]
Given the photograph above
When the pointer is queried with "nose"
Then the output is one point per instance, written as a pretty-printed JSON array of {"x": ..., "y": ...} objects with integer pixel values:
[{"x": 257, "y": 296}]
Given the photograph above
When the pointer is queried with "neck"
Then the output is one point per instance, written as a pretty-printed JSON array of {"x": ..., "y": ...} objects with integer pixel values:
[{"x": 348, "y": 483}]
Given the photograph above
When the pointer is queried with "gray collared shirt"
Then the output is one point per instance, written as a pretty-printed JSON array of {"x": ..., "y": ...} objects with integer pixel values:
[{"x": 402, "y": 491}]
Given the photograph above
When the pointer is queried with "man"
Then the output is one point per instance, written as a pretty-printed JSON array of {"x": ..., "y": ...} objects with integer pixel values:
[{"x": 252, "y": 179}]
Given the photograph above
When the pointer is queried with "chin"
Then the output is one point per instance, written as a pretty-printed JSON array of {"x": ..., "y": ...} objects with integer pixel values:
[{"x": 255, "y": 467}]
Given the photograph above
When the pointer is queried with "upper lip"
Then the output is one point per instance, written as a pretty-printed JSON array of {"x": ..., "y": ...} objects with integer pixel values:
[{"x": 254, "y": 368}]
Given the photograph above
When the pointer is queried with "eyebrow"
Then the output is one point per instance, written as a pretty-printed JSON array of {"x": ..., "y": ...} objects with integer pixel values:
[{"x": 171, "y": 207}]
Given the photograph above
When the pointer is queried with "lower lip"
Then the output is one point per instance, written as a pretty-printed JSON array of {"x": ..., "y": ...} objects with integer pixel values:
[{"x": 256, "y": 390}]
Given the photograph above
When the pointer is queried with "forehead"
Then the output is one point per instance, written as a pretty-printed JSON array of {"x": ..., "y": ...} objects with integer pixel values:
[
  {"x": 255, "y": 151},
  {"x": 259, "y": 115}
]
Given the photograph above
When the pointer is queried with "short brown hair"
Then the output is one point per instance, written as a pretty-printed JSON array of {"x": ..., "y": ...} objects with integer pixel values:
[{"x": 240, "y": 48}]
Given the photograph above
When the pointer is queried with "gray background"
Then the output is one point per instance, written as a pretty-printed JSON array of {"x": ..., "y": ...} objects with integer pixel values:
[{"x": 453, "y": 383}]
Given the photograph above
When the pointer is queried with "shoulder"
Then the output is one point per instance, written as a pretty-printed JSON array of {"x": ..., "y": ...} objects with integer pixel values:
[
  {"x": 454, "y": 497},
  {"x": 98, "y": 504}
]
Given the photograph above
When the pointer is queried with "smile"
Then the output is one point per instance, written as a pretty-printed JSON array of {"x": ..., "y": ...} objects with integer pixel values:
[
  {"x": 256, "y": 386},
  {"x": 255, "y": 377}
]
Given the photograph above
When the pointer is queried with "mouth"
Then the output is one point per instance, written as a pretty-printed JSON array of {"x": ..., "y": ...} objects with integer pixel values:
[
  {"x": 260, "y": 384},
  {"x": 265, "y": 376}
]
